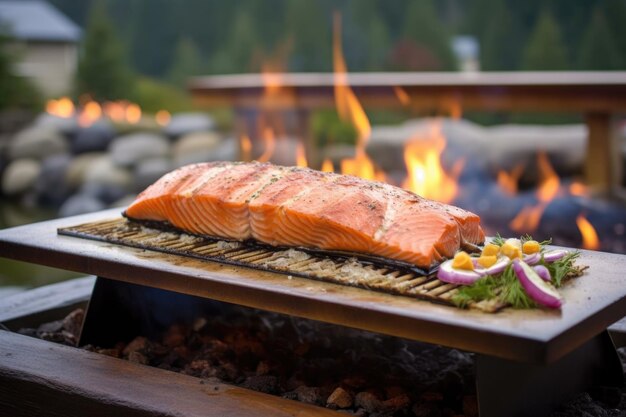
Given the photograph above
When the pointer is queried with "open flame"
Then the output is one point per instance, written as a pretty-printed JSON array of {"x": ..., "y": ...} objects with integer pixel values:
[
  {"x": 327, "y": 166},
  {"x": 62, "y": 107},
  {"x": 590, "y": 236},
  {"x": 246, "y": 148},
  {"x": 270, "y": 144},
  {"x": 527, "y": 220},
  {"x": 301, "y": 156},
  {"x": 425, "y": 175},
  {"x": 90, "y": 113},
  {"x": 508, "y": 180}
]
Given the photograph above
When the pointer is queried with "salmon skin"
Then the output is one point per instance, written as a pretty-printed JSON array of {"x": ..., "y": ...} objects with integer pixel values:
[{"x": 301, "y": 207}]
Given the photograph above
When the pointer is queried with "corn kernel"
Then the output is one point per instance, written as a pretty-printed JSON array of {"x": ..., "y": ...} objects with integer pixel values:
[
  {"x": 532, "y": 246},
  {"x": 512, "y": 251},
  {"x": 487, "y": 261},
  {"x": 462, "y": 261},
  {"x": 490, "y": 249}
]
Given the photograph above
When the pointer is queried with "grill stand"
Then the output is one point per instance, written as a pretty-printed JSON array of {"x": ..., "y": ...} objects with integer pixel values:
[
  {"x": 505, "y": 387},
  {"x": 511, "y": 388}
]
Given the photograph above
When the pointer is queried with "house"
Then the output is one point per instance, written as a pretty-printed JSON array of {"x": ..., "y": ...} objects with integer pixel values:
[{"x": 45, "y": 42}]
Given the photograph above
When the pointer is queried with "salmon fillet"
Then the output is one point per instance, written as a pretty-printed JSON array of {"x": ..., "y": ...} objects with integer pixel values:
[{"x": 287, "y": 206}]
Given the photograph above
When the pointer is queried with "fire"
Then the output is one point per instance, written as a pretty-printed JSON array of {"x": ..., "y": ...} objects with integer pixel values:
[
  {"x": 246, "y": 148},
  {"x": 90, "y": 113},
  {"x": 114, "y": 111},
  {"x": 327, "y": 166},
  {"x": 425, "y": 175},
  {"x": 63, "y": 107},
  {"x": 590, "y": 236},
  {"x": 508, "y": 180},
  {"x": 162, "y": 117},
  {"x": 402, "y": 95},
  {"x": 270, "y": 144},
  {"x": 133, "y": 113},
  {"x": 578, "y": 189},
  {"x": 301, "y": 156},
  {"x": 527, "y": 220}
]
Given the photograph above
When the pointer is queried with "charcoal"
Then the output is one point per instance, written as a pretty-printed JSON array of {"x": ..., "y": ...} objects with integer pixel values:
[
  {"x": 470, "y": 406},
  {"x": 309, "y": 395},
  {"x": 340, "y": 398},
  {"x": 369, "y": 402},
  {"x": 264, "y": 383},
  {"x": 396, "y": 403},
  {"x": 138, "y": 358},
  {"x": 426, "y": 410},
  {"x": 138, "y": 344}
]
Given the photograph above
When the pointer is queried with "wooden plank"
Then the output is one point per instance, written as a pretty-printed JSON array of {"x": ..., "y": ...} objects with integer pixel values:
[
  {"x": 41, "y": 378},
  {"x": 593, "y": 301},
  {"x": 36, "y": 304},
  {"x": 602, "y": 158}
]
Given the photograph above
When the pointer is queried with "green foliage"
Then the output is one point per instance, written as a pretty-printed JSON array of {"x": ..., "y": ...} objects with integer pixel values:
[
  {"x": 15, "y": 91},
  {"x": 102, "y": 70},
  {"x": 545, "y": 50},
  {"x": 329, "y": 129},
  {"x": 153, "y": 95},
  {"x": 187, "y": 62},
  {"x": 598, "y": 50},
  {"x": 500, "y": 41}
]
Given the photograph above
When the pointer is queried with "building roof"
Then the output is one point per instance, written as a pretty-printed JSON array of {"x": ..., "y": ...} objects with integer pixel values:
[{"x": 34, "y": 20}]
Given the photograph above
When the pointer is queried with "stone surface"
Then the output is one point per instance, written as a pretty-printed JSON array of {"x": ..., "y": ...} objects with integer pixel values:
[
  {"x": 340, "y": 398},
  {"x": 183, "y": 123},
  {"x": 103, "y": 171},
  {"x": 20, "y": 176},
  {"x": 80, "y": 204},
  {"x": 66, "y": 125},
  {"x": 148, "y": 171},
  {"x": 93, "y": 138},
  {"x": 52, "y": 187},
  {"x": 107, "y": 193},
  {"x": 37, "y": 142},
  {"x": 128, "y": 150},
  {"x": 196, "y": 147},
  {"x": 79, "y": 166}
]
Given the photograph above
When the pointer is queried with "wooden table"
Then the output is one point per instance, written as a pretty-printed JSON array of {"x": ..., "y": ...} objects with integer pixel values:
[{"x": 599, "y": 96}]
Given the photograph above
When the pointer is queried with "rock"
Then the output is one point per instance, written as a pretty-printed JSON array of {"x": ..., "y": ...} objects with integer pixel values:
[
  {"x": 36, "y": 142},
  {"x": 470, "y": 406},
  {"x": 309, "y": 395},
  {"x": 262, "y": 383},
  {"x": 80, "y": 164},
  {"x": 339, "y": 398},
  {"x": 138, "y": 358},
  {"x": 66, "y": 125},
  {"x": 183, "y": 123},
  {"x": 196, "y": 147},
  {"x": 93, "y": 138},
  {"x": 368, "y": 401},
  {"x": 20, "y": 176},
  {"x": 138, "y": 344},
  {"x": 128, "y": 150},
  {"x": 148, "y": 171},
  {"x": 104, "y": 171},
  {"x": 396, "y": 403},
  {"x": 80, "y": 204},
  {"x": 51, "y": 186},
  {"x": 107, "y": 193},
  {"x": 73, "y": 322}
]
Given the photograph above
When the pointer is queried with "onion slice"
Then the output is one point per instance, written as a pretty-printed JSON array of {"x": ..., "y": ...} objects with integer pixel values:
[
  {"x": 496, "y": 268},
  {"x": 533, "y": 258},
  {"x": 452, "y": 275},
  {"x": 536, "y": 288},
  {"x": 543, "y": 272},
  {"x": 554, "y": 255}
]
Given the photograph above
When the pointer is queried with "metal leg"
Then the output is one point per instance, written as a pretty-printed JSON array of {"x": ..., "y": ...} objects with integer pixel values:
[{"x": 509, "y": 388}]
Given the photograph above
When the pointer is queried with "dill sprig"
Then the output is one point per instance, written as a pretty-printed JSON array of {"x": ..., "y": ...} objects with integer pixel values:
[{"x": 506, "y": 287}]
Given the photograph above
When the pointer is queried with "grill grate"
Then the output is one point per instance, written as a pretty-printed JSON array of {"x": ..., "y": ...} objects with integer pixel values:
[{"x": 338, "y": 269}]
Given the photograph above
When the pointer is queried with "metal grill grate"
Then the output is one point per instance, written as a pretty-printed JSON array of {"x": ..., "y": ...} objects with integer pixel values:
[{"x": 336, "y": 269}]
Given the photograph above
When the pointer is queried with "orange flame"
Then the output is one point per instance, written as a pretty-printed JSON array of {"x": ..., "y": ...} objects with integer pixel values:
[
  {"x": 578, "y": 189},
  {"x": 527, "y": 220},
  {"x": 270, "y": 144},
  {"x": 90, "y": 113},
  {"x": 162, "y": 117},
  {"x": 246, "y": 148},
  {"x": 590, "y": 236},
  {"x": 425, "y": 175},
  {"x": 402, "y": 95},
  {"x": 63, "y": 107},
  {"x": 301, "y": 156},
  {"x": 508, "y": 181},
  {"x": 133, "y": 113},
  {"x": 114, "y": 111},
  {"x": 327, "y": 166}
]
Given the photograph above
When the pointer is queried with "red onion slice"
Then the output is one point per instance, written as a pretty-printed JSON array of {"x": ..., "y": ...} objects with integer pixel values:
[
  {"x": 533, "y": 258},
  {"x": 543, "y": 272},
  {"x": 554, "y": 255},
  {"x": 496, "y": 268},
  {"x": 536, "y": 288},
  {"x": 452, "y": 275}
]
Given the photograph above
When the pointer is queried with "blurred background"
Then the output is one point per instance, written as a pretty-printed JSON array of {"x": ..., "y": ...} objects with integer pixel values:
[{"x": 100, "y": 98}]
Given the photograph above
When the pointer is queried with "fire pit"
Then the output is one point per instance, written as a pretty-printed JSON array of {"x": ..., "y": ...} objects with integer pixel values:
[{"x": 570, "y": 349}]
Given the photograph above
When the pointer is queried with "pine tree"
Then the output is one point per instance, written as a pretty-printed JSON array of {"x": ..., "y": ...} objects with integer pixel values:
[
  {"x": 309, "y": 30},
  {"x": 545, "y": 50},
  {"x": 373, "y": 34},
  {"x": 423, "y": 27},
  {"x": 236, "y": 53},
  {"x": 500, "y": 42},
  {"x": 598, "y": 50},
  {"x": 102, "y": 70},
  {"x": 186, "y": 63},
  {"x": 616, "y": 16}
]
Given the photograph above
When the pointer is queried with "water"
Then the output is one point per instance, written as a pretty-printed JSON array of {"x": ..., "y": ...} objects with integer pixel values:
[{"x": 22, "y": 274}]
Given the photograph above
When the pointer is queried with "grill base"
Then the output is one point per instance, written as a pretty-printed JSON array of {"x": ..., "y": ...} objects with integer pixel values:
[{"x": 372, "y": 274}]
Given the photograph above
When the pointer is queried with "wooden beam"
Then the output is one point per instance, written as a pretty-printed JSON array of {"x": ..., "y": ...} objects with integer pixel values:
[
  {"x": 39, "y": 378},
  {"x": 602, "y": 164}
]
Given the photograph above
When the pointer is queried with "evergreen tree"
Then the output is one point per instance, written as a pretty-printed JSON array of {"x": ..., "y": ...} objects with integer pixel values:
[
  {"x": 423, "y": 27},
  {"x": 545, "y": 50},
  {"x": 235, "y": 54},
  {"x": 500, "y": 43},
  {"x": 616, "y": 16},
  {"x": 598, "y": 50},
  {"x": 372, "y": 35},
  {"x": 186, "y": 62},
  {"x": 309, "y": 30},
  {"x": 102, "y": 69}
]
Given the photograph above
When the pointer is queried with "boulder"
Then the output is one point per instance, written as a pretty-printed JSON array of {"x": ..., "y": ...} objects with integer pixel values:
[
  {"x": 107, "y": 193},
  {"x": 196, "y": 147},
  {"x": 128, "y": 150},
  {"x": 93, "y": 138},
  {"x": 52, "y": 187},
  {"x": 66, "y": 125},
  {"x": 80, "y": 164},
  {"x": 80, "y": 204},
  {"x": 37, "y": 142},
  {"x": 20, "y": 176},
  {"x": 148, "y": 171},
  {"x": 183, "y": 123},
  {"x": 103, "y": 171}
]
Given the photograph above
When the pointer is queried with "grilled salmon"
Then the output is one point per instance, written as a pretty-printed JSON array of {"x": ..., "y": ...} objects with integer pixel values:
[{"x": 288, "y": 206}]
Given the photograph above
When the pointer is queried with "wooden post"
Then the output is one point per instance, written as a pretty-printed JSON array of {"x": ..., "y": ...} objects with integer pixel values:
[{"x": 602, "y": 167}]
